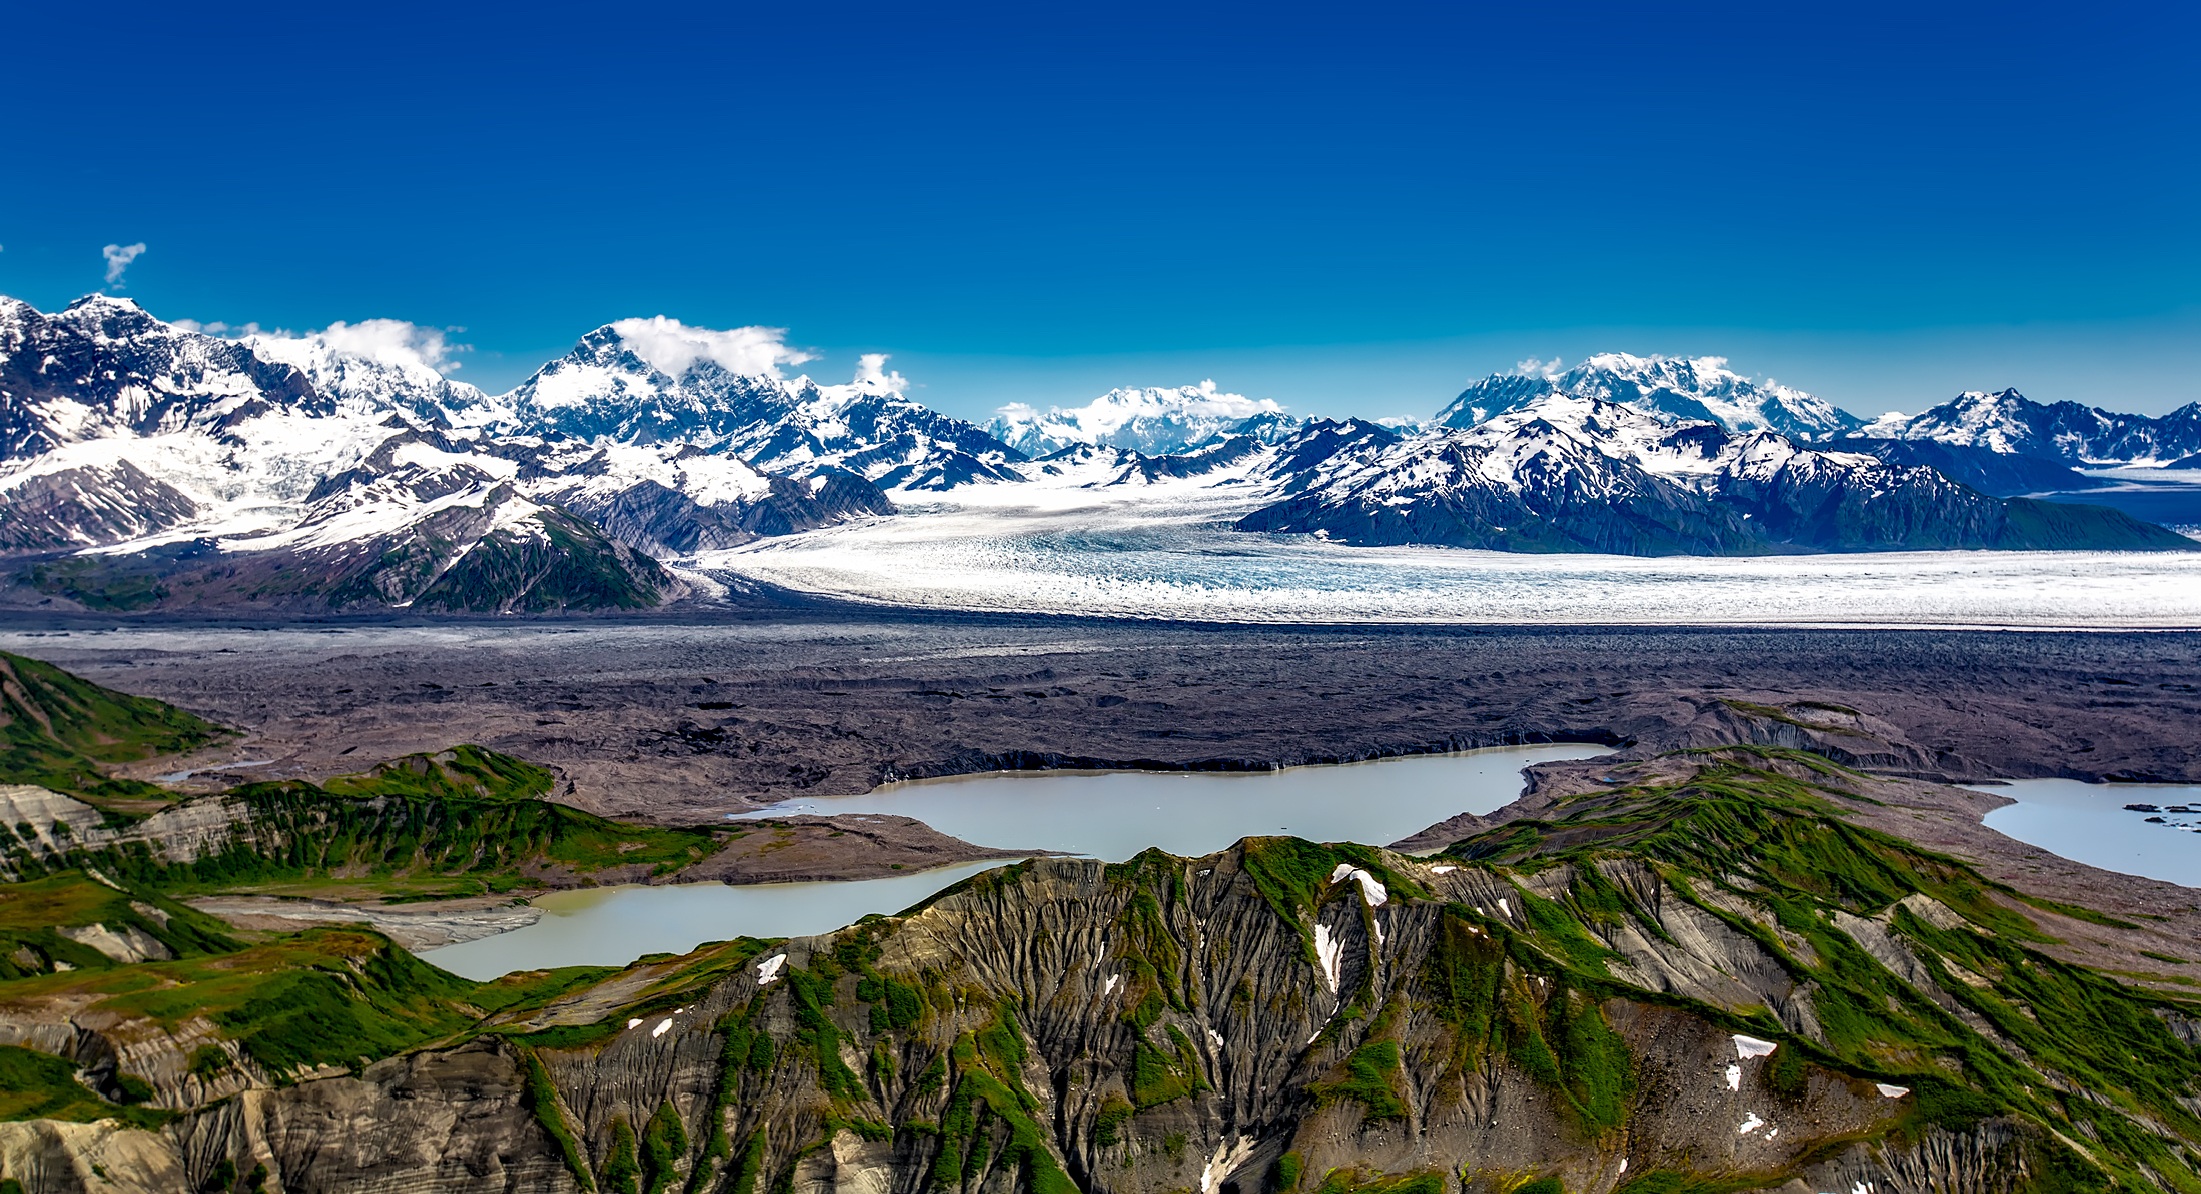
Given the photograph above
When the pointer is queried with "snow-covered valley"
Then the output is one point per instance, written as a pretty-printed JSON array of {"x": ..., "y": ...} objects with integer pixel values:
[{"x": 1182, "y": 561}]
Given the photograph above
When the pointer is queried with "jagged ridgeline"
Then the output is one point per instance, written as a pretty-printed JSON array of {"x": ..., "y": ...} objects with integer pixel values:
[{"x": 1706, "y": 978}]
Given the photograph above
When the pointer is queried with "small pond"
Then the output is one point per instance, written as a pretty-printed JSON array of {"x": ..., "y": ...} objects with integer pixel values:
[
  {"x": 1110, "y": 815},
  {"x": 2090, "y": 823}
]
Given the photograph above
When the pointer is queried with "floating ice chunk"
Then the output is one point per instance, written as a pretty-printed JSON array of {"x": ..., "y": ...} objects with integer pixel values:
[
  {"x": 769, "y": 969},
  {"x": 1446, "y": 870},
  {"x": 1747, "y": 1047},
  {"x": 663, "y": 1026},
  {"x": 634, "y": 1023},
  {"x": 1892, "y": 1092},
  {"x": 1750, "y": 1123},
  {"x": 1330, "y": 952},
  {"x": 1734, "y": 1077}
]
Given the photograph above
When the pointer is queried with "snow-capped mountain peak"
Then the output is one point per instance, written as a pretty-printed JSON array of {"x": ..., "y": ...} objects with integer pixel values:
[
  {"x": 375, "y": 365},
  {"x": 2007, "y": 422},
  {"x": 1690, "y": 388},
  {"x": 1152, "y": 420}
]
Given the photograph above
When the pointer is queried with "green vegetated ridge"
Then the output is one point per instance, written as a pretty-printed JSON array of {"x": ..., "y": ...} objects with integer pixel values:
[
  {"x": 962, "y": 1075},
  {"x": 95, "y": 926},
  {"x": 2002, "y": 1030},
  {"x": 56, "y": 730},
  {"x": 1058, "y": 1025},
  {"x": 466, "y": 821},
  {"x": 460, "y": 821},
  {"x": 65, "y": 918}
]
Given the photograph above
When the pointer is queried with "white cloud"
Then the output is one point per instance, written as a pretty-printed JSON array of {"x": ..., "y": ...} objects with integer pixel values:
[
  {"x": 391, "y": 342},
  {"x": 218, "y": 328},
  {"x": 872, "y": 373},
  {"x": 1535, "y": 368},
  {"x": 672, "y": 347},
  {"x": 119, "y": 258}
]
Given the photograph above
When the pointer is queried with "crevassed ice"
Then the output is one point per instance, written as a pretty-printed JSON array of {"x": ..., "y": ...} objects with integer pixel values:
[{"x": 1070, "y": 552}]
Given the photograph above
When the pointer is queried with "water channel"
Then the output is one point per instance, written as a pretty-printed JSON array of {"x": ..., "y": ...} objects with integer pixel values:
[{"x": 1110, "y": 815}]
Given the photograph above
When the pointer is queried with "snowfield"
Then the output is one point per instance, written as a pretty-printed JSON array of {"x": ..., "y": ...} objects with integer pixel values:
[{"x": 1039, "y": 549}]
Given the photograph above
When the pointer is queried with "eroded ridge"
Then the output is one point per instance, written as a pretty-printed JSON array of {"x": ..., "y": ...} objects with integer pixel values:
[{"x": 1704, "y": 976}]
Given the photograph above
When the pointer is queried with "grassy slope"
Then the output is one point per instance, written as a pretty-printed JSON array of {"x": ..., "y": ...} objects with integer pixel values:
[
  {"x": 2079, "y": 1054},
  {"x": 37, "y": 1085},
  {"x": 459, "y": 821},
  {"x": 465, "y": 821},
  {"x": 33, "y": 915},
  {"x": 55, "y": 730},
  {"x": 326, "y": 996}
]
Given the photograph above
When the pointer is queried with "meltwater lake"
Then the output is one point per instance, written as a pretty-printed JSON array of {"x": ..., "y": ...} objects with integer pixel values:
[
  {"x": 2089, "y": 823},
  {"x": 1108, "y": 815},
  {"x": 1114, "y": 815}
]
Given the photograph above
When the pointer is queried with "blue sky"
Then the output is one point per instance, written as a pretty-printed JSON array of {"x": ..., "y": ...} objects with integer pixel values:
[{"x": 1351, "y": 208}]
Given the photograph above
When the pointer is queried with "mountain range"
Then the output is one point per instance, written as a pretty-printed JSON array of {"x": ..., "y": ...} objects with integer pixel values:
[
  {"x": 1567, "y": 473},
  {"x": 2008, "y": 422},
  {"x": 1684, "y": 389},
  {"x": 144, "y": 463},
  {"x": 1154, "y": 421}
]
